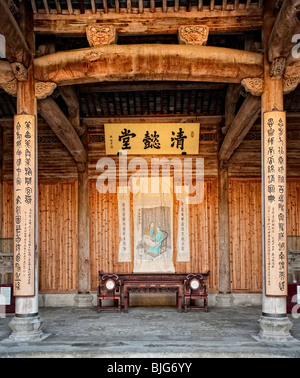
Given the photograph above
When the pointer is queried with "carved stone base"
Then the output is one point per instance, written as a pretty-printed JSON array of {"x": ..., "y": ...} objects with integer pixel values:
[
  {"x": 224, "y": 300},
  {"x": 275, "y": 329},
  {"x": 26, "y": 329},
  {"x": 83, "y": 300}
]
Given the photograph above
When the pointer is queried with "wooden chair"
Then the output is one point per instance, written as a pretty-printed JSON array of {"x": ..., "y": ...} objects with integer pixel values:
[
  {"x": 195, "y": 289},
  {"x": 109, "y": 289}
]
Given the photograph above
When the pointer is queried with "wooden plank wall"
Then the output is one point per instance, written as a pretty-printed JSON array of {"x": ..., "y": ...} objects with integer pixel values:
[
  {"x": 246, "y": 229},
  {"x": 58, "y": 236},
  {"x": 104, "y": 235},
  {"x": 245, "y": 234},
  {"x": 58, "y": 241},
  {"x": 246, "y": 160},
  {"x": 58, "y": 233}
]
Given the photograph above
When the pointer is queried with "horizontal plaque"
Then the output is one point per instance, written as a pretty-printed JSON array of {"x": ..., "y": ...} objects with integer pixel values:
[{"x": 152, "y": 138}]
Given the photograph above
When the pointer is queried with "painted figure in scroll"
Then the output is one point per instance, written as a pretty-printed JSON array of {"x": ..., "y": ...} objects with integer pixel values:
[{"x": 154, "y": 242}]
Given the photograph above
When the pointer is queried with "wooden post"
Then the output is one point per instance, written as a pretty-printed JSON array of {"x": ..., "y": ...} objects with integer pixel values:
[
  {"x": 274, "y": 322},
  {"x": 84, "y": 298},
  {"x": 26, "y": 325},
  {"x": 1, "y": 182},
  {"x": 225, "y": 298}
]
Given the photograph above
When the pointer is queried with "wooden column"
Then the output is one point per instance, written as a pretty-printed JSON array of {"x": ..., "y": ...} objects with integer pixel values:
[
  {"x": 1, "y": 182},
  {"x": 84, "y": 298},
  {"x": 274, "y": 322},
  {"x": 225, "y": 298},
  {"x": 26, "y": 325}
]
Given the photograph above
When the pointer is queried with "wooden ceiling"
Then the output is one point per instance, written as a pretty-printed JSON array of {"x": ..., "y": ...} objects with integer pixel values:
[
  {"x": 113, "y": 102},
  {"x": 117, "y": 99},
  {"x": 137, "y": 6}
]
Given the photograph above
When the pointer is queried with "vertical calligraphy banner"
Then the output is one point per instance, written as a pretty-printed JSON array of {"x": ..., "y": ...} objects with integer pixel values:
[
  {"x": 183, "y": 239},
  {"x": 124, "y": 224},
  {"x": 24, "y": 204},
  {"x": 274, "y": 139}
]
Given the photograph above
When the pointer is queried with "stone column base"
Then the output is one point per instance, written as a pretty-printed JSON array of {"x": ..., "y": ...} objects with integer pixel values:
[
  {"x": 275, "y": 328},
  {"x": 224, "y": 300},
  {"x": 83, "y": 300},
  {"x": 26, "y": 329}
]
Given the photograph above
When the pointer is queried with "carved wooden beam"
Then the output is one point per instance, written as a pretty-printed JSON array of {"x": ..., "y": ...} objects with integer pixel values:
[
  {"x": 62, "y": 127},
  {"x": 150, "y": 22},
  {"x": 240, "y": 127},
  {"x": 17, "y": 50},
  {"x": 280, "y": 43},
  {"x": 148, "y": 62}
]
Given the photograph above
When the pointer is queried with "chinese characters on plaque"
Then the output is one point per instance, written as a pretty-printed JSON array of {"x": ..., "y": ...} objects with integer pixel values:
[
  {"x": 152, "y": 138},
  {"x": 24, "y": 204},
  {"x": 275, "y": 203}
]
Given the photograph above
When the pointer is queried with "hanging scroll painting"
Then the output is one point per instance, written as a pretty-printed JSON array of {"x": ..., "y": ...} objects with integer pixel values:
[{"x": 153, "y": 230}]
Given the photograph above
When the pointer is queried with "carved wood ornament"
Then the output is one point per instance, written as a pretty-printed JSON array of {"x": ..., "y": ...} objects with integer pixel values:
[
  {"x": 193, "y": 35},
  {"x": 254, "y": 85},
  {"x": 290, "y": 84},
  {"x": 98, "y": 35},
  {"x": 278, "y": 67},
  {"x": 10, "y": 87},
  {"x": 44, "y": 89}
]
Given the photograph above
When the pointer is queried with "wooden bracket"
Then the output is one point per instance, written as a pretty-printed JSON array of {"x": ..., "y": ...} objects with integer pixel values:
[
  {"x": 99, "y": 35},
  {"x": 193, "y": 35},
  {"x": 253, "y": 85},
  {"x": 278, "y": 67},
  {"x": 44, "y": 89},
  {"x": 10, "y": 87},
  {"x": 290, "y": 84},
  {"x": 20, "y": 71}
]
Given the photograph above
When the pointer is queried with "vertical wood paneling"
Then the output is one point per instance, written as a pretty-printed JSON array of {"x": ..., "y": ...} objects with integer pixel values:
[
  {"x": 293, "y": 207},
  {"x": 58, "y": 237},
  {"x": 246, "y": 229},
  {"x": 203, "y": 236},
  {"x": 58, "y": 257},
  {"x": 7, "y": 224},
  {"x": 245, "y": 234},
  {"x": 58, "y": 244},
  {"x": 104, "y": 235}
]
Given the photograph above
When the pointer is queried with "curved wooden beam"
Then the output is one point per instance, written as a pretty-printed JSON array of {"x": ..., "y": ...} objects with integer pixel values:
[
  {"x": 148, "y": 62},
  {"x": 242, "y": 123},
  {"x": 280, "y": 43},
  {"x": 62, "y": 127},
  {"x": 17, "y": 50},
  {"x": 6, "y": 73}
]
